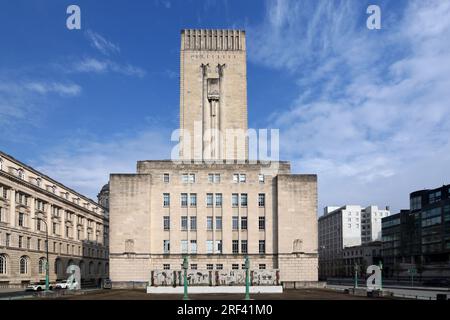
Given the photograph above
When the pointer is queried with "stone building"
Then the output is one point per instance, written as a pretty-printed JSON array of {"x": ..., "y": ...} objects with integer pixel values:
[
  {"x": 213, "y": 204},
  {"x": 77, "y": 226},
  {"x": 342, "y": 227}
]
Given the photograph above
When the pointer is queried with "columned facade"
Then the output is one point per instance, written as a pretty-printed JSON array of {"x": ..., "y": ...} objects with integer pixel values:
[{"x": 77, "y": 228}]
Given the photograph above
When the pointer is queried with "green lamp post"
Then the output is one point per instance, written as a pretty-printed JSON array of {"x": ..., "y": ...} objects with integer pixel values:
[
  {"x": 247, "y": 278},
  {"x": 185, "y": 267},
  {"x": 356, "y": 275}
]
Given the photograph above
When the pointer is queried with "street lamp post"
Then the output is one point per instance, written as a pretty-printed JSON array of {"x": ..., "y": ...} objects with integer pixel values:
[
  {"x": 185, "y": 267},
  {"x": 47, "y": 278},
  {"x": 247, "y": 278}
]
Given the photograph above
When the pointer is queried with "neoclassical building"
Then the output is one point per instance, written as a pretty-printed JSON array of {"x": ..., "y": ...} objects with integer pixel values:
[
  {"x": 77, "y": 228},
  {"x": 214, "y": 204}
]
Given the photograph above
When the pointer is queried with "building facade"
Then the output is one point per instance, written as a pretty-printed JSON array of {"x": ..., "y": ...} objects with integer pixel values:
[
  {"x": 77, "y": 228},
  {"x": 360, "y": 257},
  {"x": 212, "y": 210},
  {"x": 347, "y": 226},
  {"x": 419, "y": 238}
]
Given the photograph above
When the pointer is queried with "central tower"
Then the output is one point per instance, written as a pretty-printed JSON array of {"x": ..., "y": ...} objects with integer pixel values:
[{"x": 213, "y": 95}]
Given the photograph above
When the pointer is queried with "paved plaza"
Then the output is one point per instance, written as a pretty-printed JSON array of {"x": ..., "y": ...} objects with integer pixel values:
[{"x": 304, "y": 294}]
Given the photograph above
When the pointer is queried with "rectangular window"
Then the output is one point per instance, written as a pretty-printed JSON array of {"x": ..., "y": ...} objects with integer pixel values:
[
  {"x": 209, "y": 266},
  {"x": 184, "y": 199},
  {"x": 216, "y": 178},
  {"x": 193, "y": 199},
  {"x": 193, "y": 223},
  {"x": 185, "y": 178},
  {"x": 39, "y": 244},
  {"x": 54, "y": 226},
  {"x": 235, "y": 178},
  {"x": 209, "y": 199},
  {"x": 184, "y": 223},
  {"x": 416, "y": 203},
  {"x": 243, "y": 199},
  {"x": 244, "y": 223},
  {"x": 209, "y": 223},
  {"x": 234, "y": 200},
  {"x": 21, "y": 219},
  {"x": 235, "y": 266},
  {"x": 261, "y": 178},
  {"x": 218, "y": 246},
  {"x": 218, "y": 199},
  {"x": 218, "y": 223},
  {"x": 262, "y": 200},
  {"x": 67, "y": 231},
  {"x": 211, "y": 178},
  {"x": 194, "y": 246},
  {"x": 194, "y": 266},
  {"x": 219, "y": 266},
  {"x": 244, "y": 246},
  {"x": 209, "y": 246},
  {"x": 235, "y": 246},
  {"x": 242, "y": 178},
  {"x": 166, "y": 246},
  {"x": 191, "y": 178},
  {"x": 28, "y": 243},
  {"x": 166, "y": 199},
  {"x": 235, "y": 221},
  {"x": 184, "y": 246},
  {"x": 166, "y": 266},
  {"x": 8, "y": 239},
  {"x": 262, "y": 223},
  {"x": 262, "y": 246},
  {"x": 20, "y": 241},
  {"x": 166, "y": 178},
  {"x": 262, "y": 266},
  {"x": 166, "y": 223}
]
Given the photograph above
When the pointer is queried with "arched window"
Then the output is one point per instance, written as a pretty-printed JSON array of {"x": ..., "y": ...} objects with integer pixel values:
[
  {"x": 91, "y": 267},
  {"x": 99, "y": 268},
  {"x": 23, "y": 264},
  {"x": 42, "y": 265},
  {"x": 3, "y": 263}
]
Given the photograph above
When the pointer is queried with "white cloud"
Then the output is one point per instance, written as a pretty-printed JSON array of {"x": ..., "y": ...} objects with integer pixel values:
[
  {"x": 101, "y": 44},
  {"x": 24, "y": 100},
  {"x": 372, "y": 115},
  {"x": 103, "y": 66},
  {"x": 85, "y": 163}
]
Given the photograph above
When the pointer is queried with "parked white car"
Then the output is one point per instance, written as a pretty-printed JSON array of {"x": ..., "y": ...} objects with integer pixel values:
[
  {"x": 64, "y": 284},
  {"x": 39, "y": 286}
]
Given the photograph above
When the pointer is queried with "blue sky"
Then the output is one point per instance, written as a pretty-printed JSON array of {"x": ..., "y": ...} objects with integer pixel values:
[{"x": 367, "y": 110}]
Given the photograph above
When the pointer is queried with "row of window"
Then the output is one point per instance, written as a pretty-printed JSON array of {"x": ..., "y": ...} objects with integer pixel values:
[
  {"x": 23, "y": 199},
  {"x": 25, "y": 243},
  {"x": 24, "y": 264},
  {"x": 212, "y": 178},
  {"x": 215, "y": 247},
  {"x": 210, "y": 223},
  {"x": 219, "y": 266},
  {"x": 218, "y": 199}
]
